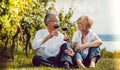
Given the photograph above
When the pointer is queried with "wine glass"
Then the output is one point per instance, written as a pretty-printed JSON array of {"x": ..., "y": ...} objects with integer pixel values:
[
  {"x": 64, "y": 28},
  {"x": 56, "y": 26}
]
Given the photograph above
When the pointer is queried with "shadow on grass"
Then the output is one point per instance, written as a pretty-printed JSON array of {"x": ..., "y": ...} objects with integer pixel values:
[
  {"x": 25, "y": 66},
  {"x": 14, "y": 65},
  {"x": 103, "y": 64}
]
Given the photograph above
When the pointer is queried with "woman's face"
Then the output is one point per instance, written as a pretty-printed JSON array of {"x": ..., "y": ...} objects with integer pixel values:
[{"x": 82, "y": 25}]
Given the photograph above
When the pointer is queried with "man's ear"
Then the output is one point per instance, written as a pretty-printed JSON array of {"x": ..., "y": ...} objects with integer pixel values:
[{"x": 48, "y": 24}]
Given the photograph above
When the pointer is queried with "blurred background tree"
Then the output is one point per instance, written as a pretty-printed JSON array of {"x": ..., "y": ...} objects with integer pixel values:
[{"x": 20, "y": 19}]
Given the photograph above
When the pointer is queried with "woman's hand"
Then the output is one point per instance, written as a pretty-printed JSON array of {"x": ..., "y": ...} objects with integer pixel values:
[
  {"x": 66, "y": 38},
  {"x": 79, "y": 47}
]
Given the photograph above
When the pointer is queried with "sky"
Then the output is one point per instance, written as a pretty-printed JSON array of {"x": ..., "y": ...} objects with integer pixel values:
[{"x": 105, "y": 13}]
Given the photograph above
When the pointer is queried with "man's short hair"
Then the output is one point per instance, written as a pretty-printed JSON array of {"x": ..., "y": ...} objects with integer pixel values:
[{"x": 48, "y": 17}]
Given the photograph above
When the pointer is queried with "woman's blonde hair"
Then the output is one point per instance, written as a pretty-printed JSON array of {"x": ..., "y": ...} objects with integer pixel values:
[{"x": 86, "y": 20}]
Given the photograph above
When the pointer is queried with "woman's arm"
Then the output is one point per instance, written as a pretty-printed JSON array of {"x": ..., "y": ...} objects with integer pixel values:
[{"x": 95, "y": 43}]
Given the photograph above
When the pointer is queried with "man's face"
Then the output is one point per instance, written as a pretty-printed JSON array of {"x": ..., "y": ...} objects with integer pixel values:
[{"x": 53, "y": 22}]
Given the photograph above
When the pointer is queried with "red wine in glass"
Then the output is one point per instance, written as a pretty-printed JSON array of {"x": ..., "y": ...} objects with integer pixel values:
[
  {"x": 64, "y": 28},
  {"x": 56, "y": 26}
]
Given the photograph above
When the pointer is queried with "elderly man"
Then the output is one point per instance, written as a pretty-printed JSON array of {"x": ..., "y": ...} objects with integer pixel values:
[{"x": 50, "y": 45}]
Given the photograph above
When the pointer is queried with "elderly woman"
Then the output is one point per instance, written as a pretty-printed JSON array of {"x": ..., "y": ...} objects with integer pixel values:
[{"x": 86, "y": 43}]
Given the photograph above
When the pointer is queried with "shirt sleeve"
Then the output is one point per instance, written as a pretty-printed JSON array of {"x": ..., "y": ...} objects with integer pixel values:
[
  {"x": 36, "y": 43},
  {"x": 93, "y": 35}
]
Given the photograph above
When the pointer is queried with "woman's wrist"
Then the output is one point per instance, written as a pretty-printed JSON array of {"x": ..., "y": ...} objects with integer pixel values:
[{"x": 84, "y": 45}]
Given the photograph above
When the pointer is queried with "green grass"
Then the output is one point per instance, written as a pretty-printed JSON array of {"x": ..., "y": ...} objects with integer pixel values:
[{"x": 23, "y": 63}]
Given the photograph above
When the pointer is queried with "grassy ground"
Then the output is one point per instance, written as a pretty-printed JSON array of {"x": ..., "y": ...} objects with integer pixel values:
[{"x": 23, "y": 63}]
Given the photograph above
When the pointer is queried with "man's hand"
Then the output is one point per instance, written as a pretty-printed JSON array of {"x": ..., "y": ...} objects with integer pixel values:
[
  {"x": 79, "y": 47},
  {"x": 69, "y": 52},
  {"x": 54, "y": 32}
]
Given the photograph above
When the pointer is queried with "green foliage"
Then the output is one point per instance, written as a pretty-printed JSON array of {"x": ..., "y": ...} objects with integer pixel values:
[
  {"x": 19, "y": 21},
  {"x": 117, "y": 54},
  {"x": 106, "y": 54},
  {"x": 65, "y": 22}
]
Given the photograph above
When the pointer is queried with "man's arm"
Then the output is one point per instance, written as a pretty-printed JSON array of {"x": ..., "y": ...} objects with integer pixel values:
[
  {"x": 53, "y": 33},
  {"x": 37, "y": 40},
  {"x": 46, "y": 38}
]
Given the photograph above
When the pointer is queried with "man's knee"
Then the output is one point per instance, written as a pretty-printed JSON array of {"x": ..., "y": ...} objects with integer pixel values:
[
  {"x": 66, "y": 58},
  {"x": 36, "y": 60},
  {"x": 66, "y": 46}
]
